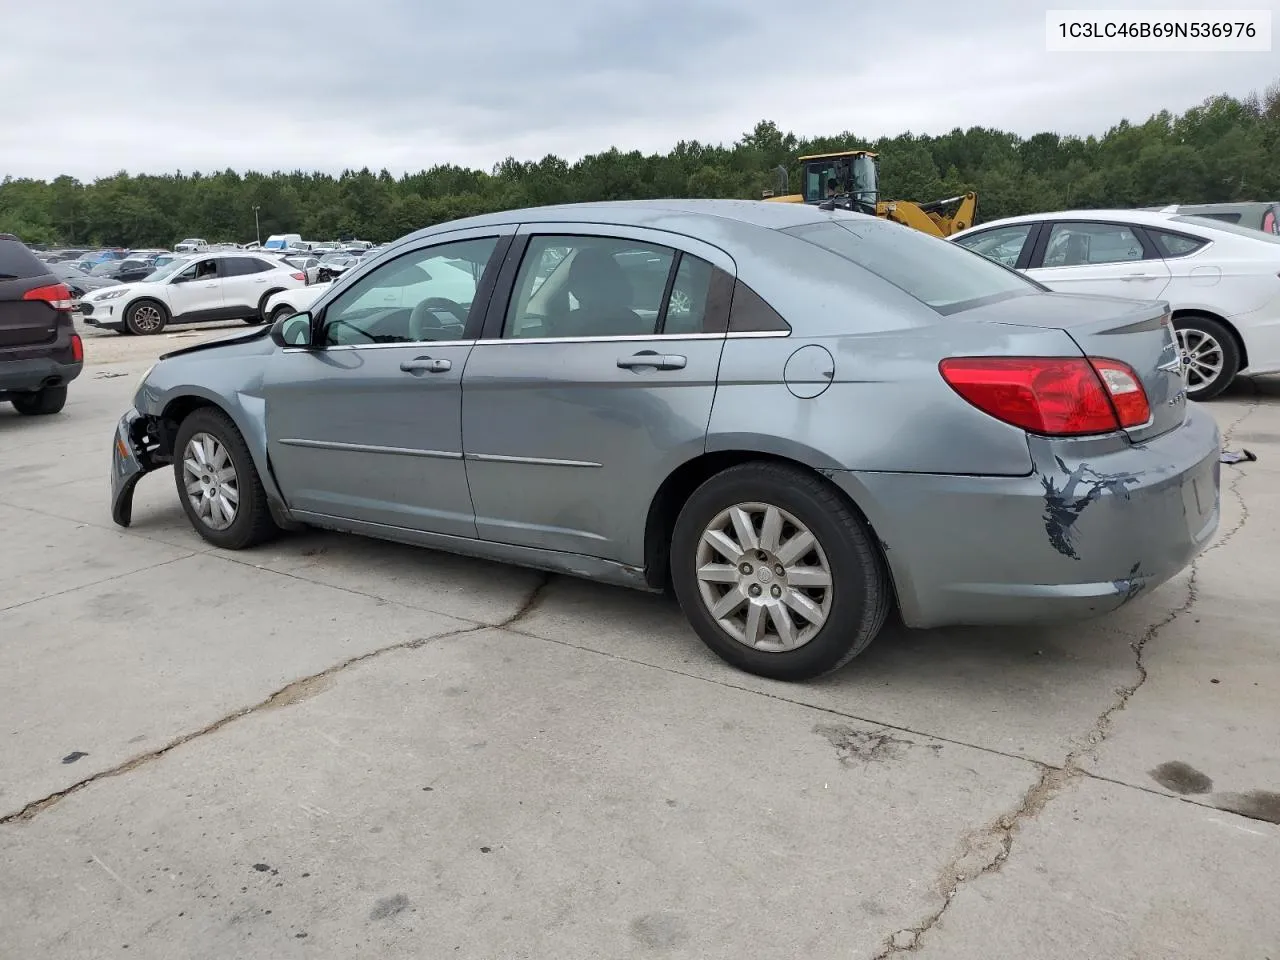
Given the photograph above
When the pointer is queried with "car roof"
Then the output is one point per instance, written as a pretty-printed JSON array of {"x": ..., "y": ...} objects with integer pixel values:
[{"x": 743, "y": 216}]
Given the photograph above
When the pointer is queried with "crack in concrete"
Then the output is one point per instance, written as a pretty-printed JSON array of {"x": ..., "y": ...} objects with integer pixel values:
[
  {"x": 986, "y": 850},
  {"x": 290, "y": 693}
]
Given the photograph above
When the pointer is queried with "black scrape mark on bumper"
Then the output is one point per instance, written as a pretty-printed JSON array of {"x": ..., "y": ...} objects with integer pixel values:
[{"x": 1063, "y": 506}]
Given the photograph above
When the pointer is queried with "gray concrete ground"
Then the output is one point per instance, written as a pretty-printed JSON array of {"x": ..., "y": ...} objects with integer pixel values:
[{"x": 332, "y": 747}]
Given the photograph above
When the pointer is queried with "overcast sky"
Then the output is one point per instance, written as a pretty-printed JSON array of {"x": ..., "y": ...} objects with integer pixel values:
[{"x": 156, "y": 85}]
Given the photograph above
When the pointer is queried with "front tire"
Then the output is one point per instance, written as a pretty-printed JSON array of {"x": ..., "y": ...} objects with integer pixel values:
[
  {"x": 282, "y": 311},
  {"x": 42, "y": 403},
  {"x": 217, "y": 483},
  {"x": 146, "y": 317},
  {"x": 776, "y": 574},
  {"x": 1210, "y": 355}
]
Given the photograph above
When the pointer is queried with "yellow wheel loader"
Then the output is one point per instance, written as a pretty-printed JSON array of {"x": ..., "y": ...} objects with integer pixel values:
[{"x": 851, "y": 181}]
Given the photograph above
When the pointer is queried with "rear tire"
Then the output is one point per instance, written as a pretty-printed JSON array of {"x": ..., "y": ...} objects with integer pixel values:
[
  {"x": 834, "y": 594},
  {"x": 1211, "y": 355},
  {"x": 42, "y": 403},
  {"x": 211, "y": 456}
]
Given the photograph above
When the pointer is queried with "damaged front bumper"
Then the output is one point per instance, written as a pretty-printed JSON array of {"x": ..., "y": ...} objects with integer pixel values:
[{"x": 134, "y": 453}]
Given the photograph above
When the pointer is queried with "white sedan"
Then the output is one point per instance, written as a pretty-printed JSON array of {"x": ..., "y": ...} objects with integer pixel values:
[
  {"x": 225, "y": 285},
  {"x": 1222, "y": 282}
]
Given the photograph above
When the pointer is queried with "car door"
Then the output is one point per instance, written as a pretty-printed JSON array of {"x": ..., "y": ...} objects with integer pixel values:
[
  {"x": 593, "y": 380},
  {"x": 195, "y": 293},
  {"x": 1097, "y": 257},
  {"x": 365, "y": 425},
  {"x": 244, "y": 284}
]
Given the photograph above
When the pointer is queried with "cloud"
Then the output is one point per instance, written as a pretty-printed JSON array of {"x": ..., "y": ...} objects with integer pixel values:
[{"x": 153, "y": 86}]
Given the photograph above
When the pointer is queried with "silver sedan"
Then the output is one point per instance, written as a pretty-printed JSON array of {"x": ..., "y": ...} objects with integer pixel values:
[{"x": 797, "y": 419}]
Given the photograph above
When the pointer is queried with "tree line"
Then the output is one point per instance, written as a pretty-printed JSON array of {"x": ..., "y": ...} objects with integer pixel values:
[{"x": 1225, "y": 149}]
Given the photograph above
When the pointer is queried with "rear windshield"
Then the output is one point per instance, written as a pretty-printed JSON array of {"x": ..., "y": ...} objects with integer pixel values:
[
  {"x": 17, "y": 262},
  {"x": 943, "y": 275},
  {"x": 1225, "y": 227}
]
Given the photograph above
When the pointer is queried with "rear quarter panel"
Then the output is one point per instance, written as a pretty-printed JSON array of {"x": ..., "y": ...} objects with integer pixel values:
[{"x": 868, "y": 395}]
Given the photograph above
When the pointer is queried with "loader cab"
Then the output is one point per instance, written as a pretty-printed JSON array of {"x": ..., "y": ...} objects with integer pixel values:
[{"x": 856, "y": 176}]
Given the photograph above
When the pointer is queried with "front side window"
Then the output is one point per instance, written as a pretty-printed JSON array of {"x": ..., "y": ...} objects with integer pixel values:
[
  {"x": 1083, "y": 244},
  {"x": 606, "y": 287},
  {"x": 204, "y": 270},
  {"x": 421, "y": 296},
  {"x": 1001, "y": 244}
]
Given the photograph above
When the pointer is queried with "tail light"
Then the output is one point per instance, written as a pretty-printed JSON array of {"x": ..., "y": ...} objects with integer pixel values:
[
  {"x": 1055, "y": 396},
  {"x": 300, "y": 276},
  {"x": 77, "y": 348},
  {"x": 56, "y": 295}
]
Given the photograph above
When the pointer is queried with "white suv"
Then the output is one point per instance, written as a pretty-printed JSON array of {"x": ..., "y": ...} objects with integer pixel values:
[{"x": 217, "y": 286}]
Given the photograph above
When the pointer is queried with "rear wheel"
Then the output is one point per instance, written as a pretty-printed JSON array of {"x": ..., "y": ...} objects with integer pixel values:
[
  {"x": 218, "y": 484},
  {"x": 40, "y": 403},
  {"x": 1210, "y": 355},
  {"x": 778, "y": 576}
]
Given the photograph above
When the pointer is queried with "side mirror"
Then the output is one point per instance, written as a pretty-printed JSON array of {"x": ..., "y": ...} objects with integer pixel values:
[{"x": 292, "y": 331}]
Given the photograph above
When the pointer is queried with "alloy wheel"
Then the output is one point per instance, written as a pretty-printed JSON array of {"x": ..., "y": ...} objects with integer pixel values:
[
  {"x": 209, "y": 475},
  {"x": 147, "y": 318},
  {"x": 764, "y": 577},
  {"x": 1202, "y": 357}
]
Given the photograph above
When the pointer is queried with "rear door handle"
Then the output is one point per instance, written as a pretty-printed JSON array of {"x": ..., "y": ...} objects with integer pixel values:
[
  {"x": 420, "y": 365},
  {"x": 651, "y": 358},
  {"x": 1138, "y": 276}
]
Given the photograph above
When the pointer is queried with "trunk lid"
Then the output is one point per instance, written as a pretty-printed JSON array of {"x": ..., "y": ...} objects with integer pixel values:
[{"x": 1136, "y": 332}]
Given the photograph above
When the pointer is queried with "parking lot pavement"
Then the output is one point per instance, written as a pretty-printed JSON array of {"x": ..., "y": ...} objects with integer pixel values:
[{"x": 335, "y": 747}]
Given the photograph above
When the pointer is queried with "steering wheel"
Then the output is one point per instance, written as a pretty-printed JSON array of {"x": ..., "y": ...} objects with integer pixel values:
[{"x": 423, "y": 318}]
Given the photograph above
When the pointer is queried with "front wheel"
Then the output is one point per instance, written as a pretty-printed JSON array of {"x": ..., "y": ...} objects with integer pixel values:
[
  {"x": 775, "y": 572},
  {"x": 146, "y": 317},
  {"x": 218, "y": 484},
  {"x": 282, "y": 311},
  {"x": 1210, "y": 356}
]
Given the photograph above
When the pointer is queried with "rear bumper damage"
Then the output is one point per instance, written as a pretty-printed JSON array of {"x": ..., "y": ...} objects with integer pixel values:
[{"x": 1091, "y": 528}]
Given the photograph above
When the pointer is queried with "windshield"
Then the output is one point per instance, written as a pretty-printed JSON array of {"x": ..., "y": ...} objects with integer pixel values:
[
  {"x": 943, "y": 275},
  {"x": 1224, "y": 227},
  {"x": 853, "y": 176},
  {"x": 167, "y": 270}
]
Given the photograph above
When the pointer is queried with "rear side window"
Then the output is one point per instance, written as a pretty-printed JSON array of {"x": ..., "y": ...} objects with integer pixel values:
[
  {"x": 17, "y": 262},
  {"x": 943, "y": 275},
  {"x": 1175, "y": 244}
]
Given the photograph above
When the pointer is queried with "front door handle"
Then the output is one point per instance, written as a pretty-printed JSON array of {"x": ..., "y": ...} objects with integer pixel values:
[
  {"x": 419, "y": 365},
  {"x": 1138, "y": 276},
  {"x": 651, "y": 358}
]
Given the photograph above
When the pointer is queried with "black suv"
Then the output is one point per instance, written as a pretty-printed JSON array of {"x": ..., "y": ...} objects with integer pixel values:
[{"x": 40, "y": 351}]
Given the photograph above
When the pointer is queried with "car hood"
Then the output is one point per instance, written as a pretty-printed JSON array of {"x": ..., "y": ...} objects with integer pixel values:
[{"x": 116, "y": 287}]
